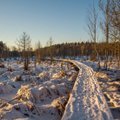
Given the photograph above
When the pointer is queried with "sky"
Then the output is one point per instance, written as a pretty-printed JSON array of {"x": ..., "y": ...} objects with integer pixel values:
[{"x": 63, "y": 20}]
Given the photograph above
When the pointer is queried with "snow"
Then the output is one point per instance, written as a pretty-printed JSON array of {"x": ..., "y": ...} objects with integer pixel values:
[
  {"x": 51, "y": 92},
  {"x": 86, "y": 101},
  {"x": 110, "y": 85},
  {"x": 5, "y": 88},
  {"x": 39, "y": 94}
]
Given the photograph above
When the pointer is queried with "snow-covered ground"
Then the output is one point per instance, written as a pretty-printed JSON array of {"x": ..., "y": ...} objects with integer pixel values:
[
  {"x": 51, "y": 92},
  {"x": 109, "y": 81},
  {"x": 110, "y": 85},
  {"x": 86, "y": 101},
  {"x": 40, "y": 93}
]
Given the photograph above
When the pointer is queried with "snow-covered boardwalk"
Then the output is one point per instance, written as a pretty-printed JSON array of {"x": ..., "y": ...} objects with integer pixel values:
[{"x": 86, "y": 101}]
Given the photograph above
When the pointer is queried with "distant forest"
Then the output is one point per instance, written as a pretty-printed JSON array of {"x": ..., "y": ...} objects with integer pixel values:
[
  {"x": 81, "y": 49},
  {"x": 76, "y": 49}
]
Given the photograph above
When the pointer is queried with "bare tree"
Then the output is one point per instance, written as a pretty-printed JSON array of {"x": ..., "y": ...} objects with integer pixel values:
[
  {"x": 111, "y": 26},
  {"x": 92, "y": 24},
  {"x": 24, "y": 45},
  {"x": 115, "y": 13},
  {"x": 115, "y": 23},
  {"x": 38, "y": 52},
  {"x": 105, "y": 25},
  {"x": 92, "y": 30},
  {"x": 51, "y": 50}
]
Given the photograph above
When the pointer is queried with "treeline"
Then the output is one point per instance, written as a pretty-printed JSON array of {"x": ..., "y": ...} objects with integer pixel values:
[
  {"x": 4, "y": 50},
  {"x": 70, "y": 50},
  {"x": 78, "y": 49}
]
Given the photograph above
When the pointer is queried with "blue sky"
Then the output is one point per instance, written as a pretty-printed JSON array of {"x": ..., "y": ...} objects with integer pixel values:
[{"x": 64, "y": 20}]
